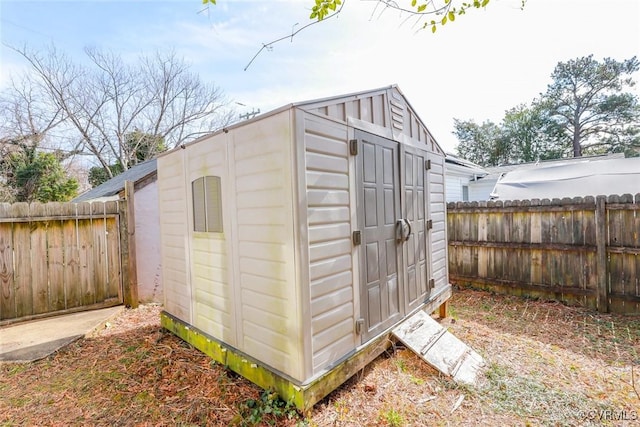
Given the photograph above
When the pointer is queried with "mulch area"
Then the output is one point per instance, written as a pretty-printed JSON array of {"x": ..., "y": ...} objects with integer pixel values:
[{"x": 547, "y": 364}]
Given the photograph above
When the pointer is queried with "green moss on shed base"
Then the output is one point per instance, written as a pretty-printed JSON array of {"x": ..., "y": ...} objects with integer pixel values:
[{"x": 303, "y": 396}]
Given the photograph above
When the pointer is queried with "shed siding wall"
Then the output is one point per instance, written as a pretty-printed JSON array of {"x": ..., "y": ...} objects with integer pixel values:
[
  {"x": 174, "y": 236},
  {"x": 330, "y": 248},
  {"x": 213, "y": 310},
  {"x": 261, "y": 154},
  {"x": 439, "y": 218}
]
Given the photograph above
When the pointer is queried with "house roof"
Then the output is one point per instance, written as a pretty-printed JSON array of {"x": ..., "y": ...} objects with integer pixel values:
[
  {"x": 465, "y": 166},
  {"x": 115, "y": 185},
  {"x": 571, "y": 178}
]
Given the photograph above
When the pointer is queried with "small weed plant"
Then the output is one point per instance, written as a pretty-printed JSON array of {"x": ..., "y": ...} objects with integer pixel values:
[{"x": 268, "y": 409}]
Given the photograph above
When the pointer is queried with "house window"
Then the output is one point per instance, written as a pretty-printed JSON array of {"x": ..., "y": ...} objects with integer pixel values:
[
  {"x": 465, "y": 193},
  {"x": 207, "y": 204}
]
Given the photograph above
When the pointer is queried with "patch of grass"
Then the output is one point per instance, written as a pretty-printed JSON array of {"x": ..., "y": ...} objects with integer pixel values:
[
  {"x": 393, "y": 418},
  {"x": 416, "y": 380},
  {"x": 401, "y": 365},
  {"x": 530, "y": 398},
  {"x": 16, "y": 369}
]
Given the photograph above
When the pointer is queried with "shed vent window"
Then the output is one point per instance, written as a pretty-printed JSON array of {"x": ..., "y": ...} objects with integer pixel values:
[{"x": 207, "y": 204}]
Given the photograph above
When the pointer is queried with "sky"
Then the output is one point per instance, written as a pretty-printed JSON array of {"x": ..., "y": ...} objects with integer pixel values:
[{"x": 476, "y": 68}]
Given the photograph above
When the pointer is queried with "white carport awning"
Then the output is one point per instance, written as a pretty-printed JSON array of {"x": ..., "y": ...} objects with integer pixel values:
[{"x": 571, "y": 179}]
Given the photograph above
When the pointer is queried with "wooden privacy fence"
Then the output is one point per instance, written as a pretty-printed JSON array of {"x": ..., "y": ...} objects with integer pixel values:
[
  {"x": 579, "y": 251},
  {"x": 63, "y": 257}
]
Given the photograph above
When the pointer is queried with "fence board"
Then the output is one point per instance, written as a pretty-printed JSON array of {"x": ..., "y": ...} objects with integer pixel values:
[
  {"x": 582, "y": 251},
  {"x": 39, "y": 268},
  {"x": 22, "y": 269},
  {"x": 99, "y": 276},
  {"x": 73, "y": 292},
  {"x": 58, "y": 257},
  {"x": 114, "y": 290},
  {"x": 7, "y": 289},
  {"x": 55, "y": 246}
]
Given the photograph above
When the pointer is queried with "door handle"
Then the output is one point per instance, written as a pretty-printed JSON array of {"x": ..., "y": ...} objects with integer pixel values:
[
  {"x": 406, "y": 221},
  {"x": 400, "y": 230},
  {"x": 403, "y": 230}
]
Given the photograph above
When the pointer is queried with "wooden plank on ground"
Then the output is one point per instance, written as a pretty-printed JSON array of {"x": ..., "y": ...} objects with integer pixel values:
[{"x": 439, "y": 348}]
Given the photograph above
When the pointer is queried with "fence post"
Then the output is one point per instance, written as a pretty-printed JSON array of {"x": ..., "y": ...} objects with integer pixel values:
[
  {"x": 601, "y": 254},
  {"x": 128, "y": 246}
]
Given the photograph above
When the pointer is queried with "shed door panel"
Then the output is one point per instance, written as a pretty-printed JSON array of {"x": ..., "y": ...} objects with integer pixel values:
[
  {"x": 414, "y": 210},
  {"x": 378, "y": 179}
]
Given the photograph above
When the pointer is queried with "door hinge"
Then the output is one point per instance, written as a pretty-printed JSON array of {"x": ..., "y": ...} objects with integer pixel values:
[
  {"x": 353, "y": 147},
  {"x": 429, "y": 224},
  {"x": 427, "y": 164},
  {"x": 356, "y": 237},
  {"x": 359, "y": 326},
  {"x": 432, "y": 283}
]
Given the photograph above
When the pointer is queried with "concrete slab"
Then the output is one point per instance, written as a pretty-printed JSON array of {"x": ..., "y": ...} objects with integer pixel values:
[{"x": 37, "y": 339}]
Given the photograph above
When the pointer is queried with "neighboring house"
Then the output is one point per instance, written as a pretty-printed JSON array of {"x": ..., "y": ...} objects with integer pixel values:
[
  {"x": 147, "y": 233},
  {"x": 575, "y": 177},
  {"x": 460, "y": 174},
  {"x": 293, "y": 242}
]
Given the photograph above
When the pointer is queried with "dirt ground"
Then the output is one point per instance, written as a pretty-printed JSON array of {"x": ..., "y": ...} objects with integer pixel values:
[{"x": 547, "y": 364}]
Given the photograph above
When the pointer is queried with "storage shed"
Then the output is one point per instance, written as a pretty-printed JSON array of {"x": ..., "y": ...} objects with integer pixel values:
[{"x": 293, "y": 242}]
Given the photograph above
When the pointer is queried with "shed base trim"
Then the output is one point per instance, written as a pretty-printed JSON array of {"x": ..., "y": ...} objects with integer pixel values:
[{"x": 303, "y": 396}]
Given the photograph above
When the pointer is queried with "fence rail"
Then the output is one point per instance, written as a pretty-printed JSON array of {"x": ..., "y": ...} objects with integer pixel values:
[
  {"x": 60, "y": 257},
  {"x": 580, "y": 251}
]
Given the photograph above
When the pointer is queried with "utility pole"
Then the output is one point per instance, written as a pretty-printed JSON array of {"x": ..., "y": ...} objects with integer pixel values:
[{"x": 250, "y": 115}]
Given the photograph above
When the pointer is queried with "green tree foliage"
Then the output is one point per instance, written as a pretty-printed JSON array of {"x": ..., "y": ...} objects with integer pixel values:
[
  {"x": 443, "y": 11},
  {"x": 584, "y": 111},
  {"x": 587, "y": 99},
  {"x": 140, "y": 146},
  {"x": 38, "y": 177},
  {"x": 480, "y": 143},
  {"x": 528, "y": 135},
  {"x": 99, "y": 174}
]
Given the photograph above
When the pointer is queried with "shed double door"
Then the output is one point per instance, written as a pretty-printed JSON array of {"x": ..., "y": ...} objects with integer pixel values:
[{"x": 392, "y": 200}]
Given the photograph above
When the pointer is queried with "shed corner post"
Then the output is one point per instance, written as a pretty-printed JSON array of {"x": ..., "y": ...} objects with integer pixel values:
[
  {"x": 128, "y": 264},
  {"x": 602, "y": 300}
]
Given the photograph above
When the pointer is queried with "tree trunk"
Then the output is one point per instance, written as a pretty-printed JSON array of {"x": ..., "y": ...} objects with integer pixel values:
[{"x": 577, "y": 148}]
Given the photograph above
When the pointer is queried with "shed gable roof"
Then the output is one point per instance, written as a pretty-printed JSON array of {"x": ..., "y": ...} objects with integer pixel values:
[{"x": 386, "y": 107}]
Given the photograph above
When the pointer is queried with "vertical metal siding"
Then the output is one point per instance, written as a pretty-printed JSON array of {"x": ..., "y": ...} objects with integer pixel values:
[{"x": 330, "y": 248}]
